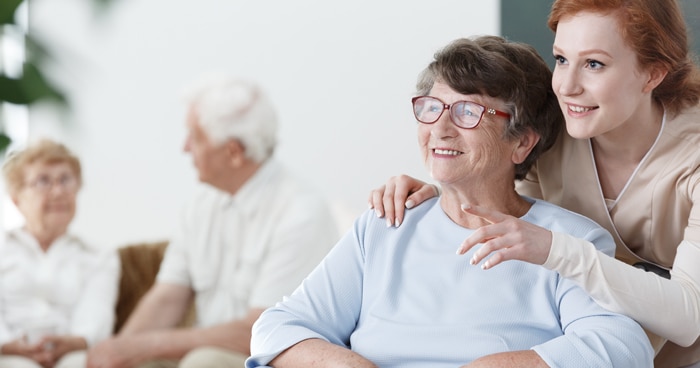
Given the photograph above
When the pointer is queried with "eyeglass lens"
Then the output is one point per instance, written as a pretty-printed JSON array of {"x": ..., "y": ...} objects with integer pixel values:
[
  {"x": 44, "y": 182},
  {"x": 463, "y": 113}
]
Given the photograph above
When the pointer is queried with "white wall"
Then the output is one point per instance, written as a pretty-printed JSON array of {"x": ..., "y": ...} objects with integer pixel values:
[{"x": 341, "y": 74}]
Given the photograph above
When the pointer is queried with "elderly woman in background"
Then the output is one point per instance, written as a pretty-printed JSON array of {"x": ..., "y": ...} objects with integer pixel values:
[
  {"x": 401, "y": 297},
  {"x": 57, "y": 295}
]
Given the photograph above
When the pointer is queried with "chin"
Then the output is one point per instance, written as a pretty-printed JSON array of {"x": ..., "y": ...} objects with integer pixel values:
[{"x": 579, "y": 131}]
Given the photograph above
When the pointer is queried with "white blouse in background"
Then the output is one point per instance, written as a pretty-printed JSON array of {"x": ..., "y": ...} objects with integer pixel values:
[{"x": 71, "y": 289}]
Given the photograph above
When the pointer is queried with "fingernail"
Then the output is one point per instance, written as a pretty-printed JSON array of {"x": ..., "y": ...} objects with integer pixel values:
[
  {"x": 370, "y": 206},
  {"x": 397, "y": 223},
  {"x": 379, "y": 214},
  {"x": 472, "y": 261},
  {"x": 388, "y": 223},
  {"x": 485, "y": 265},
  {"x": 410, "y": 203},
  {"x": 464, "y": 206}
]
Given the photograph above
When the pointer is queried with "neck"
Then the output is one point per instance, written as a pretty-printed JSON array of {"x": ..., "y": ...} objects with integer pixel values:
[
  {"x": 45, "y": 236},
  {"x": 631, "y": 140},
  {"x": 500, "y": 197},
  {"x": 234, "y": 180}
]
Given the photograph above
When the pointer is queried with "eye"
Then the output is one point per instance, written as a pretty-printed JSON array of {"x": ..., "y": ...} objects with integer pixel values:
[
  {"x": 434, "y": 107},
  {"x": 42, "y": 182},
  {"x": 594, "y": 64},
  {"x": 66, "y": 179},
  {"x": 466, "y": 110},
  {"x": 559, "y": 60}
]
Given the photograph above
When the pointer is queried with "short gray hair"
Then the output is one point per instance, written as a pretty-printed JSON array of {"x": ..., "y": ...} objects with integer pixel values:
[{"x": 234, "y": 108}]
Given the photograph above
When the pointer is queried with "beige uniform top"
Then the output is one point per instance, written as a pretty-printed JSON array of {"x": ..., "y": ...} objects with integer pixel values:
[{"x": 656, "y": 218}]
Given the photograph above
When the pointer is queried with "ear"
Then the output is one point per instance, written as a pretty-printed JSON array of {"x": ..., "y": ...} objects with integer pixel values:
[
  {"x": 656, "y": 76},
  {"x": 15, "y": 200},
  {"x": 236, "y": 152},
  {"x": 524, "y": 146}
]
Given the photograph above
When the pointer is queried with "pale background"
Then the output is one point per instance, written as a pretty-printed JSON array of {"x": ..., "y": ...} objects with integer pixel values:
[{"x": 340, "y": 73}]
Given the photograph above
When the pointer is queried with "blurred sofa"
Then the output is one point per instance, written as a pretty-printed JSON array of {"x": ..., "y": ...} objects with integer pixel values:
[{"x": 139, "y": 267}]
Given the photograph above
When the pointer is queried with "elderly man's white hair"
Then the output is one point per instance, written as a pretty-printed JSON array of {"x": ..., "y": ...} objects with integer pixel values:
[{"x": 234, "y": 108}]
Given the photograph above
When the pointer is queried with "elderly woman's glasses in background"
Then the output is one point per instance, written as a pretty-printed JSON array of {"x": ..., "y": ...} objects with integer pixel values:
[
  {"x": 44, "y": 183},
  {"x": 464, "y": 114}
]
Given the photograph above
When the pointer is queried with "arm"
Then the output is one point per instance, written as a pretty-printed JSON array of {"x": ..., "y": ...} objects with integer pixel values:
[
  {"x": 175, "y": 343},
  {"x": 606, "y": 279},
  {"x": 164, "y": 306},
  {"x": 391, "y": 199},
  {"x": 133, "y": 349},
  {"x": 617, "y": 338},
  {"x": 593, "y": 335},
  {"x": 610, "y": 281},
  {"x": 93, "y": 315},
  {"x": 325, "y": 307},
  {"x": 318, "y": 353},
  {"x": 511, "y": 359},
  {"x": 142, "y": 338}
]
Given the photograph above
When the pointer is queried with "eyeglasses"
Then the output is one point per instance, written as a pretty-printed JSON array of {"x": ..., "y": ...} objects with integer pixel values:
[
  {"x": 44, "y": 183},
  {"x": 464, "y": 114}
]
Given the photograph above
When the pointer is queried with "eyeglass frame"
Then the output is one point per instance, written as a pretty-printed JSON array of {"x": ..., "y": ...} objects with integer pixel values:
[
  {"x": 485, "y": 109},
  {"x": 44, "y": 184}
]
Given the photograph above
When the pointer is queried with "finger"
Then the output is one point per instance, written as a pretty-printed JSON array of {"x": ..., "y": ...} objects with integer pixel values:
[
  {"x": 494, "y": 238},
  {"x": 388, "y": 201},
  {"x": 487, "y": 214},
  {"x": 498, "y": 250},
  {"x": 421, "y": 195},
  {"x": 375, "y": 201},
  {"x": 400, "y": 204},
  {"x": 469, "y": 243},
  {"x": 496, "y": 259},
  {"x": 479, "y": 236}
]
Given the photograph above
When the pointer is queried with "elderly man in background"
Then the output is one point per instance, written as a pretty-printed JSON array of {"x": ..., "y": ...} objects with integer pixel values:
[
  {"x": 57, "y": 294},
  {"x": 246, "y": 240}
]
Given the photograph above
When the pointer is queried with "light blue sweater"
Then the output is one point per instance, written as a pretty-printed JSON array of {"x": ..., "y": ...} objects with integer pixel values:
[{"x": 401, "y": 297}]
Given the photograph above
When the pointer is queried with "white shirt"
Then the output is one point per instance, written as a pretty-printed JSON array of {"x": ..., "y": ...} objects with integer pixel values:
[
  {"x": 248, "y": 250},
  {"x": 68, "y": 290}
]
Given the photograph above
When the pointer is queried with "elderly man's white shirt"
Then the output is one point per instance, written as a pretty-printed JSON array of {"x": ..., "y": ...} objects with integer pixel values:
[
  {"x": 70, "y": 289},
  {"x": 248, "y": 250}
]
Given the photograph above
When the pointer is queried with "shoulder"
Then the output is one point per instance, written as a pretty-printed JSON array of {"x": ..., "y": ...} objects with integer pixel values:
[
  {"x": 684, "y": 127},
  {"x": 291, "y": 190},
  {"x": 678, "y": 143},
  {"x": 204, "y": 198},
  {"x": 89, "y": 249},
  {"x": 556, "y": 218}
]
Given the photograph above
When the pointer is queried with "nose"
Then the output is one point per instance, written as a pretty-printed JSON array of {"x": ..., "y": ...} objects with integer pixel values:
[
  {"x": 186, "y": 144},
  {"x": 444, "y": 127},
  {"x": 565, "y": 81}
]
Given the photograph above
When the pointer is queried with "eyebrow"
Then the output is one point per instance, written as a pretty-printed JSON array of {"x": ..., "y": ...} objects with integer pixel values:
[{"x": 585, "y": 52}]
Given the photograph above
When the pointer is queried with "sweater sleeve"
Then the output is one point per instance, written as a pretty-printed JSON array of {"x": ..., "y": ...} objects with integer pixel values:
[
  {"x": 325, "y": 306},
  {"x": 643, "y": 296}
]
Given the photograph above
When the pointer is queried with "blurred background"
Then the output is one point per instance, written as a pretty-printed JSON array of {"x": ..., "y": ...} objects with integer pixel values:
[{"x": 340, "y": 73}]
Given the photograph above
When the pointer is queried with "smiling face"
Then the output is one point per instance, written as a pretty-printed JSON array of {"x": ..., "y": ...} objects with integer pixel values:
[
  {"x": 47, "y": 200},
  {"x": 457, "y": 156},
  {"x": 597, "y": 79}
]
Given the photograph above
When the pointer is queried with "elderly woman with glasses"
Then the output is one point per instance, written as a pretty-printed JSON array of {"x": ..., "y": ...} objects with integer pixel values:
[
  {"x": 402, "y": 297},
  {"x": 57, "y": 295}
]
